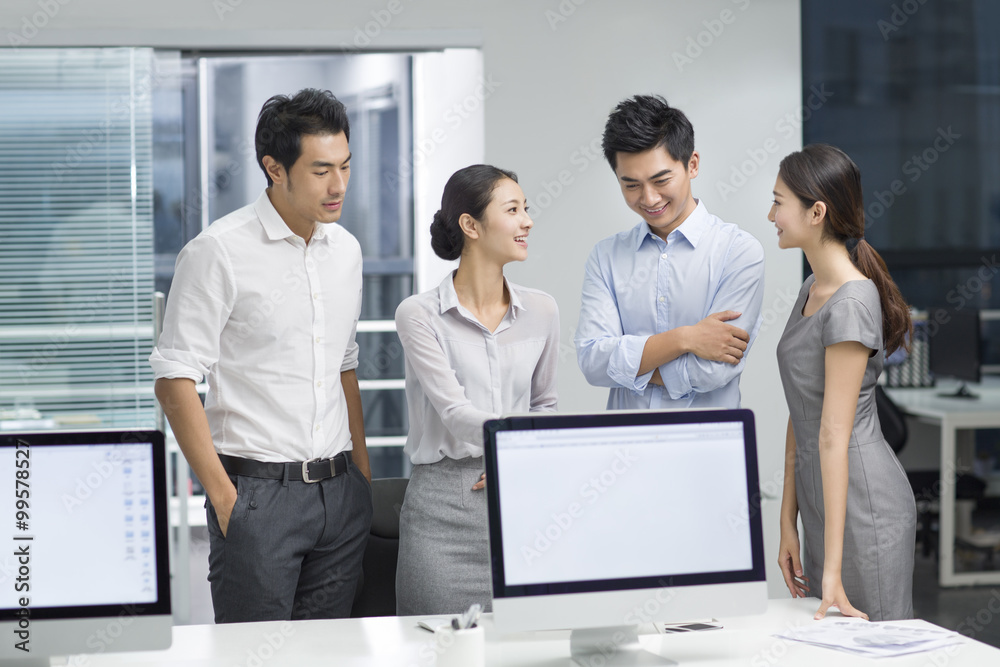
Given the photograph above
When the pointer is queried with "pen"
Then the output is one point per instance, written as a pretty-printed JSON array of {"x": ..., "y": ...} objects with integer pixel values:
[
  {"x": 468, "y": 618},
  {"x": 475, "y": 617}
]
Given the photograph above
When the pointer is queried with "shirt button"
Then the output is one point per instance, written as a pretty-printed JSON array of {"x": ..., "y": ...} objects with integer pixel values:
[
  {"x": 661, "y": 299},
  {"x": 663, "y": 256},
  {"x": 317, "y": 427},
  {"x": 319, "y": 384},
  {"x": 317, "y": 339},
  {"x": 315, "y": 295}
]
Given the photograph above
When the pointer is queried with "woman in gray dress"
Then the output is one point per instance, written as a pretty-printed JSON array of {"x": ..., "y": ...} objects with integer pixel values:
[
  {"x": 476, "y": 347},
  {"x": 857, "y": 507}
]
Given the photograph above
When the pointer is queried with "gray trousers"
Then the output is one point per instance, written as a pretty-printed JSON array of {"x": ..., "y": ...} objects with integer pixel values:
[{"x": 292, "y": 550}]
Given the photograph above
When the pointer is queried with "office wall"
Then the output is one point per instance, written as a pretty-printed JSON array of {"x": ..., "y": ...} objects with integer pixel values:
[{"x": 552, "y": 71}]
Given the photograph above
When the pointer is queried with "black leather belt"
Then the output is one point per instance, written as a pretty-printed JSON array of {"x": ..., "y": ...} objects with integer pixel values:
[{"x": 299, "y": 471}]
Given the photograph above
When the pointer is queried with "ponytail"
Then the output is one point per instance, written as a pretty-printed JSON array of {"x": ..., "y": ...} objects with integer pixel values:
[{"x": 896, "y": 323}]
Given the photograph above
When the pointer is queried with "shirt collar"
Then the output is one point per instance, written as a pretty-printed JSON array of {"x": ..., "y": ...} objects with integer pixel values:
[
  {"x": 692, "y": 228},
  {"x": 274, "y": 226},
  {"x": 449, "y": 297}
]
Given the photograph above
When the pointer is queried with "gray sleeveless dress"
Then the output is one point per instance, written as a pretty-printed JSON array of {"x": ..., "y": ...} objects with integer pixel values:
[{"x": 880, "y": 526}]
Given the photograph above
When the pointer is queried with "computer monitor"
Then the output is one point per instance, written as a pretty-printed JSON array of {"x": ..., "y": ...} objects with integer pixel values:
[
  {"x": 955, "y": 347},
  {"x": 86, "y": 567},
  {"x": 602, "y": 522}
]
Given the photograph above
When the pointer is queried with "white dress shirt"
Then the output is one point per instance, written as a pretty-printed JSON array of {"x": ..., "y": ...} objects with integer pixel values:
[
  {"x": 271, "y": 321},
  {"x": 636, "y": 285},
  {"x": 459, "y": 374}
]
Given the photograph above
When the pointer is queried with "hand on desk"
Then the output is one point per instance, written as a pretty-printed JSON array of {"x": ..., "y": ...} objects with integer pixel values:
[{"x": 834, "y": 596}]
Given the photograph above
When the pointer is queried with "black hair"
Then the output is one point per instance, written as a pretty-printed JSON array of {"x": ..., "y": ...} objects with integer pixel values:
[
  {"x": 469, "y": 190},
  {"x": 283, "y": 120},
  {"x": 645, "y": 122},
  {"x": 820, "y": 172}
]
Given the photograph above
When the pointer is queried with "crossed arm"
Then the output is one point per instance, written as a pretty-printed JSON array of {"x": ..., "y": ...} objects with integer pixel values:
[
  {"x": 710, "y": 339},
  {"x": 611, "y": 357}
]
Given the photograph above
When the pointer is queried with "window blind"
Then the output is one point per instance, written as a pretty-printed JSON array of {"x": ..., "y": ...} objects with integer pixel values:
[{"x": 76, "y": 235}]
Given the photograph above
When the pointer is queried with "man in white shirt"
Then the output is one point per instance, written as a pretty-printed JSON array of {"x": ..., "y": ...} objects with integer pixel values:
[{"x": 265, "y": 302}]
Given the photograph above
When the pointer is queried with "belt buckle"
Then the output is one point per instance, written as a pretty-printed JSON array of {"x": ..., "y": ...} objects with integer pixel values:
[{"x": 305, "y": 471}]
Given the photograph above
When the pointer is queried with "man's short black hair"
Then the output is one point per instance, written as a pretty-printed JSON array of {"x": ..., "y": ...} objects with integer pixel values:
[
  {"x": 644, "y": 122},
  {"x": 283, "y": 120}
]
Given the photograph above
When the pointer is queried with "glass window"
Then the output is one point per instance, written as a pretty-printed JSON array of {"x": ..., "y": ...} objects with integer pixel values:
[
  {"x": 910, "y": 92},
  {"x": 76, "y": 237}
]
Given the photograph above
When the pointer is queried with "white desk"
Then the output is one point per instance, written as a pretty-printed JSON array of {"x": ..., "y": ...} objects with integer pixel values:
[
  {"x": 397, "y": 642},
  {"x": 952, "y": 415}
]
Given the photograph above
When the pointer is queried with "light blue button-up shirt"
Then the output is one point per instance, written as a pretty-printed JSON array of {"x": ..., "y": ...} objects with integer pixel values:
[{"x": 637, "y": 285}]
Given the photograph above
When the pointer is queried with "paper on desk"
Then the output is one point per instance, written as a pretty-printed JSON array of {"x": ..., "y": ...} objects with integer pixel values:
[{"x": 874, "y": 640}]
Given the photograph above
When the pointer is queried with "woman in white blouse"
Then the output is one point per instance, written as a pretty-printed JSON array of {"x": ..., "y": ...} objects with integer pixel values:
[{"x": 476, "y": 347}]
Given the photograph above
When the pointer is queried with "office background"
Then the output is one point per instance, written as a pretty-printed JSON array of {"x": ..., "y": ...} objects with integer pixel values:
[{"x": 556, "y": 68}]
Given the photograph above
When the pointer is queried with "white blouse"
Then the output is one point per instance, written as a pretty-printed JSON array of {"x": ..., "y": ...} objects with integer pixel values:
[{"x": 459, "y": 374}]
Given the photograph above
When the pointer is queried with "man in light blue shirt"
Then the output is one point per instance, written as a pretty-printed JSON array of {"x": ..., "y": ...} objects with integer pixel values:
[{"x": 670, "y": 307}]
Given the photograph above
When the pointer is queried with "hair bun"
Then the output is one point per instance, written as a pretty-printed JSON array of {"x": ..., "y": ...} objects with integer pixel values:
[{"x": 447, "y": 244}]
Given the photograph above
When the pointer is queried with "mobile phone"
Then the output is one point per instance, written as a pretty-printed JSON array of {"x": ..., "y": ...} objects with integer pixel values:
[{"x": 692, "y": 626}]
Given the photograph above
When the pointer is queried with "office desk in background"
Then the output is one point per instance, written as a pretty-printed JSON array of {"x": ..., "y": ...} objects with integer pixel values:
[
  {"x": 398, "y": 642},
  {"x": 952, "y": 415}
]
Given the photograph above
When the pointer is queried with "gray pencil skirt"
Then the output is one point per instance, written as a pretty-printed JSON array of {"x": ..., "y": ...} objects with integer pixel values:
[{"x": 444, "y": 559}]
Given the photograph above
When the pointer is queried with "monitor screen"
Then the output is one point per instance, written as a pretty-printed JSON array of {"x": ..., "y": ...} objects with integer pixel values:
[
  {"x": 87, "y": 547},
  {"x": 955, "y": 343},
  {"x": 593, "y": 515}
]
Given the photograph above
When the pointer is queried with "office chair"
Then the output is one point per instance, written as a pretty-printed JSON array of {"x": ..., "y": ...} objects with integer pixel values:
[
  {"x": 894, "y": 429},
  {"x": 892, "y": 419},
  {"x": 376, "y": 594}
]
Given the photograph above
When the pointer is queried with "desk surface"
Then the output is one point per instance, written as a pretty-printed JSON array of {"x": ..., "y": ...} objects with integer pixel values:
[
  {"x": 926, "y": 402},
  {"x": 398, "y": 642}
]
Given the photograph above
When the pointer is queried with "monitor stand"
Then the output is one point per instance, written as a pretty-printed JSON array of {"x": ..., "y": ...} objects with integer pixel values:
[
  {"x": 616, "y": 646},
  {"x": 961, "y": 392}
]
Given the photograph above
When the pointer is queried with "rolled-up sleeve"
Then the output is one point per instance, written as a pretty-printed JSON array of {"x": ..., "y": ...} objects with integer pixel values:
[
  {"x": 741, "y": 289},
  {"x": 606, "y": 355},
  {"x": 352, "y": 353},
  {"x": 201, "y": 299}
]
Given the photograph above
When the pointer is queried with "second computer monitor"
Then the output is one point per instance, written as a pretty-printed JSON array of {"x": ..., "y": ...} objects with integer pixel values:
[
  {"x": 955, "y": 345},
  {"x": 87, "y": 560}
]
